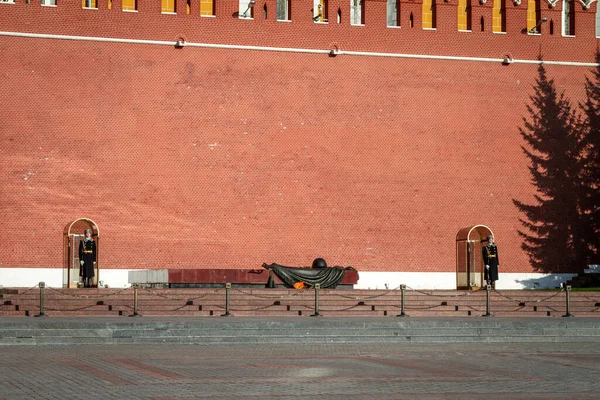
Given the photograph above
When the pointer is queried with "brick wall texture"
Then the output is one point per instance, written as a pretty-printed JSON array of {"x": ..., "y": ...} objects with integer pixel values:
[{"x": 224, "y": 158}]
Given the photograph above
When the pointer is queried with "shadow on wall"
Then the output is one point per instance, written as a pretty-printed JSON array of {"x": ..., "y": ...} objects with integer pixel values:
[
  {"x": 544, "y": 282},
  {"x": 563, "y": 146}
]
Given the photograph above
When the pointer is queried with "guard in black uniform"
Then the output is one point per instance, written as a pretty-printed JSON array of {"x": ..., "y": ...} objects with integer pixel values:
[
  {"x": 87, "y": 258},
  {"x": 491, "y": 262}
]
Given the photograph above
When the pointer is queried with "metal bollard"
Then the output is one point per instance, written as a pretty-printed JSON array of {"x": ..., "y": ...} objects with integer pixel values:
[
  {"x": 42, "y": 313},
  {"x": 317, "y": 288},
  {"x": 488, "y": 289},
  {"x": 135, "y": 301},
  {"x": 227, "y": 313},
  {"x": 402, "y": 313},
  {"x": 567, "y": 291}
]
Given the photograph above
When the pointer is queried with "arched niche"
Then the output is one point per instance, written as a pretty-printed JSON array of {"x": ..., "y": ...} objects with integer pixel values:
[
  {"x": 469, "y": 261},
  {"x": 72, "y": 235}
]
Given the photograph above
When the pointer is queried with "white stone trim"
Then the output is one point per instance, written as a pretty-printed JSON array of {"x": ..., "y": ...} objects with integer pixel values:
[
  {"x": 53, "y": 277},
  {"x": 447, "y": 280},
  {"x": 120, "y": 278}
]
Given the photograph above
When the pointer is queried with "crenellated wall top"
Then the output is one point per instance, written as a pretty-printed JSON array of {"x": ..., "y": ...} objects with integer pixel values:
[{"x": 352, "y": 25}]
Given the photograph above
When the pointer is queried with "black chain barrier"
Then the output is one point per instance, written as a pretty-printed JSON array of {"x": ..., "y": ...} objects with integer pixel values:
[
  {"x": 440, "y": 295},
  {"x": 29, "y": 290},
  {"x": 88, "y": 296},
  {"x": 296, "y": 293},
  {"x": 467, "y": 294},
  {"x": 244, "y": 309},
  {"x": 305, "y": 293},
  {"x": 525, "y": 303},
  {"x": 181, "y": 298},
  {"x": 415, "y": 308},
  {"x": 70, "y": 309},
  {"x": 375, "y": 296}
]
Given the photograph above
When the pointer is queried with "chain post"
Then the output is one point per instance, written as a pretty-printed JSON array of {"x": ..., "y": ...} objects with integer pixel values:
[
  {"x": 135, "y": 301},
  {"x": 567, "y": 291},
  {"x": 227, "y": 287},
  {"x": 488, "y": 289},
  {"x": 402, "y": 313},
  {"x": 42, "y": 313},
  {"x": 317, "y": 288}
]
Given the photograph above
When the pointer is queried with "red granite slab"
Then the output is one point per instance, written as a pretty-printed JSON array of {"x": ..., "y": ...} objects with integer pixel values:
[{"x": 247, "y": 276}]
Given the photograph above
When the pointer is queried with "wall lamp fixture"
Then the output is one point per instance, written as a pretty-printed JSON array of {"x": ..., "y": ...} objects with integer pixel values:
[
  {"x": 535, "y": 28},
  {"x": 251, "y": 4}
]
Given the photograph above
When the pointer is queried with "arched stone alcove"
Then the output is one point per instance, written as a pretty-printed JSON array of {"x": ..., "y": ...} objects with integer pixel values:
[
  {"x": 72, "y": 235},
  {"x": 469, "y": 262}
]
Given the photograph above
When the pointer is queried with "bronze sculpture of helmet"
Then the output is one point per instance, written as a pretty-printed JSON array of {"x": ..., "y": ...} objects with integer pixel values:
[{"x": 319, "y": 263}]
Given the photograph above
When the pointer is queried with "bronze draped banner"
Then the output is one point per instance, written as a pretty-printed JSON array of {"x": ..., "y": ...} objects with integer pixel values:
[{"x": 328, "y": 277}]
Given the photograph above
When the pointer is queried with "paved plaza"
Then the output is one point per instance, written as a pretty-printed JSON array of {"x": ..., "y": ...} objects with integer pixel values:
[{"x": 289, "y": 371}]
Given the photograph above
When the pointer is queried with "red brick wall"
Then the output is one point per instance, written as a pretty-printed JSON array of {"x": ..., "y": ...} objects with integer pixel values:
[{"x": 229, "y": 158}]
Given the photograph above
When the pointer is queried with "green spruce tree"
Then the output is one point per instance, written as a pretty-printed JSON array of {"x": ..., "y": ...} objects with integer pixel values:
[{"x": 552, "y": 238}]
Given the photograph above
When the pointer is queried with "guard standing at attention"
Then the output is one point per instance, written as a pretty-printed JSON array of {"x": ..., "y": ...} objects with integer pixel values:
[
  {"x": 491, "y": 262},
  {"x": 87, "y": 258}
]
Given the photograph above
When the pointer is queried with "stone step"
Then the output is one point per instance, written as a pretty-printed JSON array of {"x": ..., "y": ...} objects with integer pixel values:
[
  {"x": 279, "y": 292},
  {"x": 12, "y": 313},
  {"x": 308, "y": 312},
  {"x": 288, "y": 307},
  {"x": 78, "y": 313},
  {"x": 389, "y": 297},
  {"x": 274, "y": 293},
  {"x": 310, "y": 295},
  {"x": 278, "y": 332},
  {"x": 333, "y": 303},
  {"x": 206, "y": 330},
  {"x": 201, "y": 302}
]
